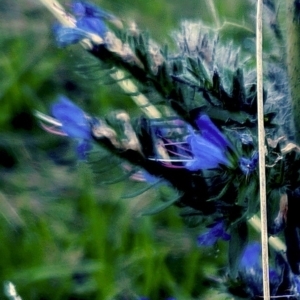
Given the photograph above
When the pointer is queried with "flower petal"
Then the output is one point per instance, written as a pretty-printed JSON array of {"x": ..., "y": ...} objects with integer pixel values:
[
  {"x": 211, "y": 133},
  {"x": 73, "y": 119},
  {"x": 206, "y": 154},
  {"x": 247, "y": 165},
  {"x": 66, "y": 36},
  {"x": 251, "y": 256},
  {"x": 211, "y": 237},
  {"x": 82, "y": 149},
  {"x": 86, "y": 9},
  {"x": 92, "y": 25}
]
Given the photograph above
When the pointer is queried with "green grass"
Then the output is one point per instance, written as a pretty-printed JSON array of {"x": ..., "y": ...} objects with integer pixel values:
[{"x": 65, "y": 238}]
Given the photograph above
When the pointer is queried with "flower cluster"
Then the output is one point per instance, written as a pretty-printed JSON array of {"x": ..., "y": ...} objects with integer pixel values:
[
  {"x": 89, "y": 19},
  {"x": 203, "y": 146}
]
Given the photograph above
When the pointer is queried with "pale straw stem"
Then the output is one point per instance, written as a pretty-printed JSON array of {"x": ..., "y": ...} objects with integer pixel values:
[{"x": 261, "y": 148}]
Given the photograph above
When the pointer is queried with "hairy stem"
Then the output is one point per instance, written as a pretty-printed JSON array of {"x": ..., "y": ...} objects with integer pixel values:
[{"x": 293, "y": 59}]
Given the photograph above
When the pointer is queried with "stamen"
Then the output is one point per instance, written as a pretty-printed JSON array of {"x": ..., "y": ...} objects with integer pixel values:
[
  {"x": 47, "y": 118},
  {"x": 169, "y": 160},
  {"x": 53, "y": 130}
]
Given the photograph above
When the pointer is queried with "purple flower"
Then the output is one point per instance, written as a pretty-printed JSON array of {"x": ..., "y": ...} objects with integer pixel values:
[
  {"x": 82, "y": 149},
  {"x": 247, "y": 165},
  {"x": 211, "y": 237},
  {"x": 246, "y": 138},
  {"x": 209, "y": 148},
  {"x": 210, "y": 132},
  {"x": 73, "y": 118},
  {"x": 74, "y": 123},
  {"x": 251, "y": 257},
  {"x": 296, "y": 284},
  {"x": 89, "y": 19},
  {"x": 251, "y": 271}
]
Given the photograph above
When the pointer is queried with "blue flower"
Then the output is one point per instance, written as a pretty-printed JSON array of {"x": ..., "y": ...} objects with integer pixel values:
[
  {"x": 82, "y": 149},
  {"x": 250, "y": 258},
  {"x": 211, "y": 133},
  {"x": 209, "y": 148},
  {"x": 74, "y": 123},
  {"x": 246, "y": 138},
  {"x": 251, "y": 271},
  {"x": 211, "y": 237},
  {"x": 89, "y": 19},
  {"x": 247, "y": 165},
  {"x": 296, "y": 284},
  {"x": 73, "y": 119}
]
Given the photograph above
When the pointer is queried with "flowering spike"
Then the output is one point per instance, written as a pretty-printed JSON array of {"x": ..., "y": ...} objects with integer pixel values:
[{"x": 88, "y": 20}]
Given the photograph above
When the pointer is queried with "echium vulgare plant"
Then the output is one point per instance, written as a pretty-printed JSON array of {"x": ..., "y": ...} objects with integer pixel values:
[{"x": 197, "y": 134}]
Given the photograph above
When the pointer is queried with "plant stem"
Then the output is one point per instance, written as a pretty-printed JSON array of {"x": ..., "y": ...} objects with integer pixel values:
[
  {"x": 261, "y": 147},
  {"x": 293, "y": 59},
  {"x": 275, "y": 242},
  {"x": 213, "y": 11}
]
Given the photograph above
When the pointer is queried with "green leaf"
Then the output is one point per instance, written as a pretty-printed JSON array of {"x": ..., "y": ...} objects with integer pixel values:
[
  {"x": 137, "y": 193},
  {"x": 191, "y": 217},
  {"x": 119, "y": 178},
  {"x": 226, "y": 117},
  {"x": 159, "y": 208},
  {"x": 198, "y": 70},
  {"x": 238, "y": 89},
  {"x": 237, "y": 243},
  {"x": 273, "y": 208},
  {"x": 222, "y": 192},
  {"x": 252, "y": 196}
]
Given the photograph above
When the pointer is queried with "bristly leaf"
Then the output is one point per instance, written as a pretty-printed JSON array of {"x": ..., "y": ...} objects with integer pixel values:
[
  {"x": 237, "y": 244},
  {"x": 141, "y": 49},
  {"x": 191, "y": 217},
  {"x": 238, "y": 90},
  {"x": 141, "y": 191},
  {"x": 198, "y": 70},
  {"x": 252, "y": 197},
  {"x": 159, "y": 208}
]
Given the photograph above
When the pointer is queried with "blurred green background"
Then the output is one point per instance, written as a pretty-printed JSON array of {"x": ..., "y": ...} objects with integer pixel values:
[{"x": 64, "y": 234}]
